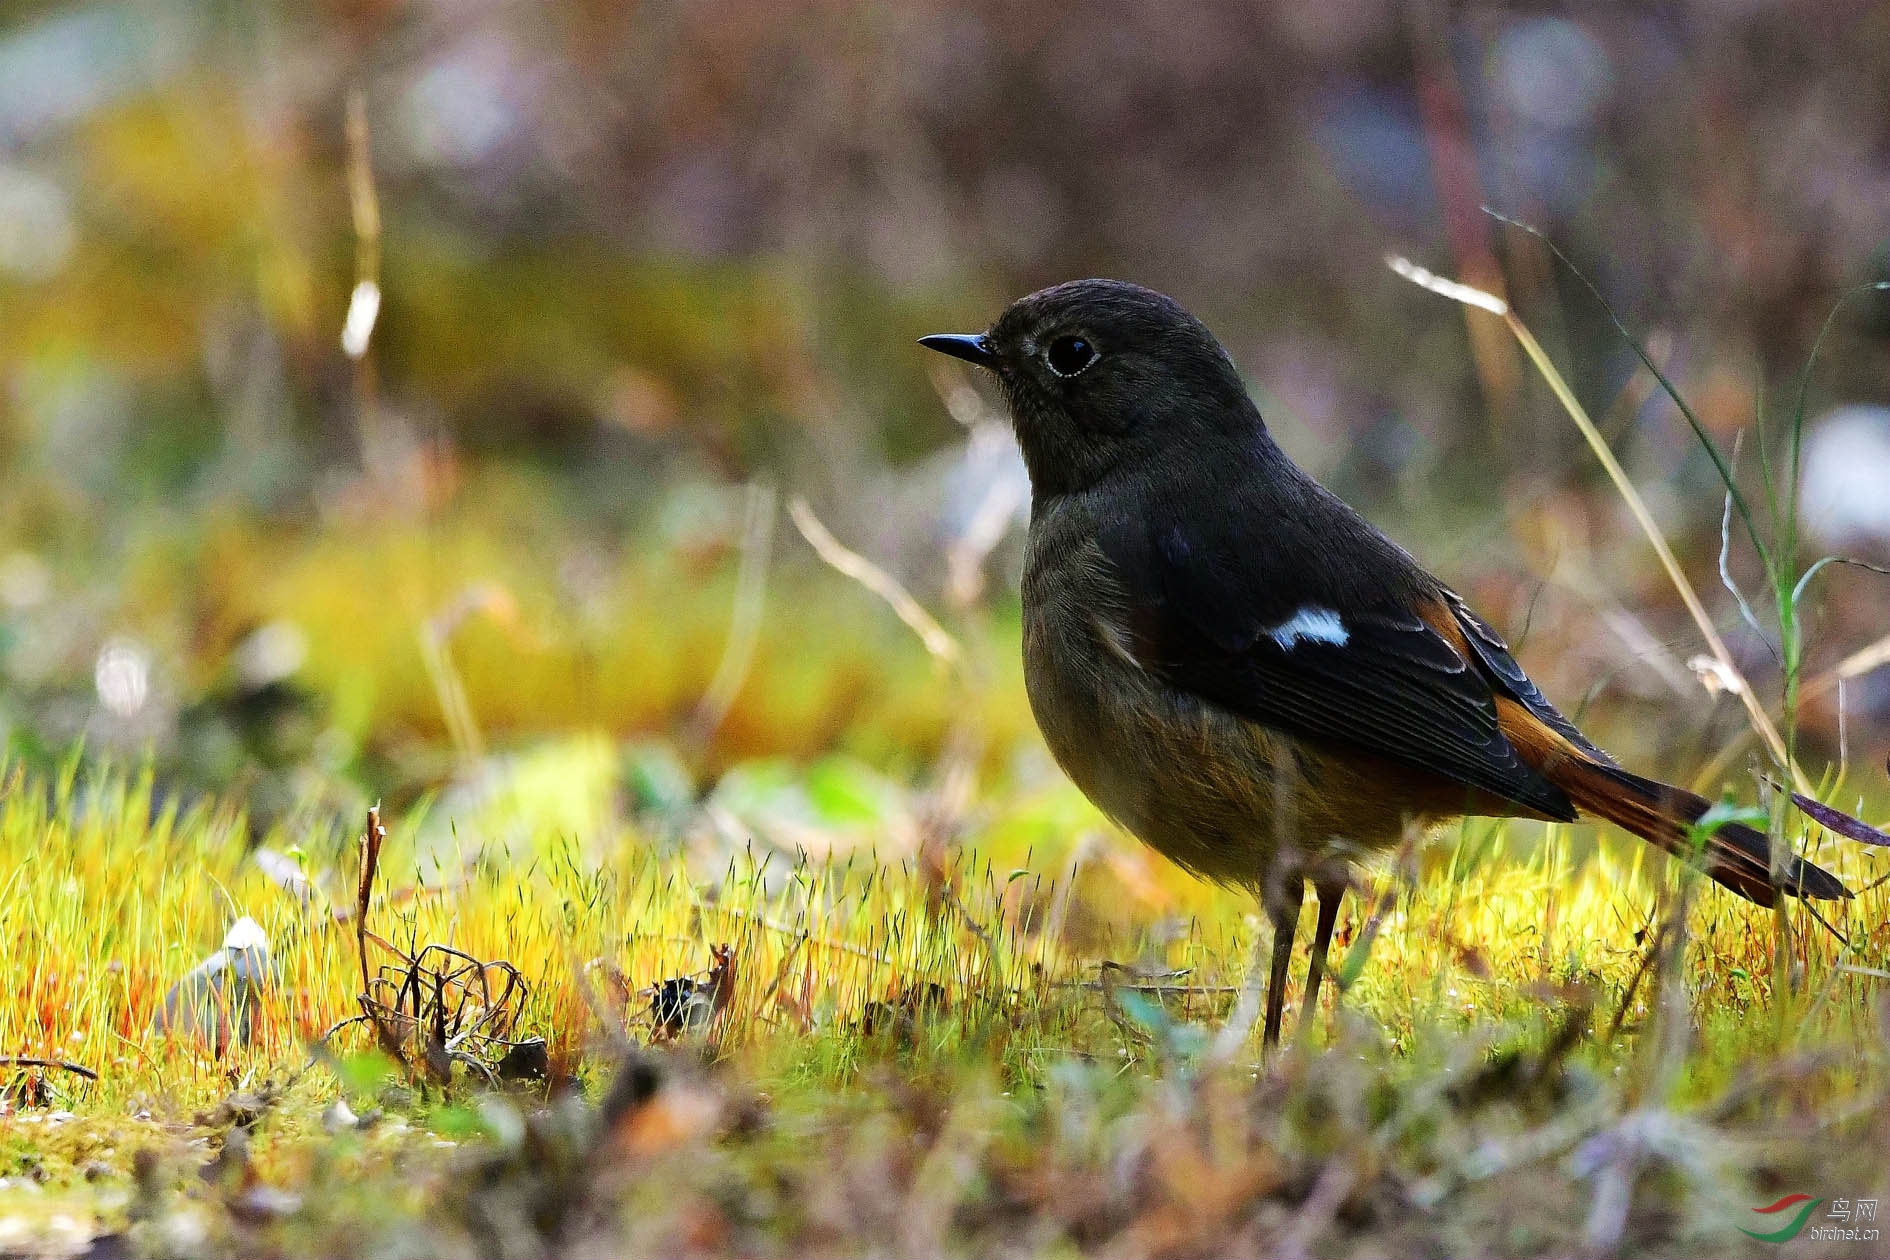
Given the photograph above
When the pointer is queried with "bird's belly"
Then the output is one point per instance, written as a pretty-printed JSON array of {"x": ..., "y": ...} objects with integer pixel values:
[{"x": 1221, "y": 796}]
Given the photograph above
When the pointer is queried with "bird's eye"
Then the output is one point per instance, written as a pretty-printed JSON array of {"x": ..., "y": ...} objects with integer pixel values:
[{"x": 1069, "y": 355}]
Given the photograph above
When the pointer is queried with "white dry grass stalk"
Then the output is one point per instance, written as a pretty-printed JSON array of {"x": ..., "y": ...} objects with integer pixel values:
[
  {"x": 964, "y": 559},
  {"x": 1467, "y": 294},
  {"x": 462, "y": 727},
  {"x": 937, "y": 641},
  {"x": 364, "y": 205},
  {"x": 1246, "y": 1013},
  {"x": 364, "y": 308},
  {"x": 991, "y": 519},
  {"x": 1870, "y": 657},
  {"x": 744, "y": 630},
  {"x": 962, "y": 402},
  {"x": 1643, "y": 646},
  {"x": 1725, "y": 671},
  {"x": 364, "y": 302}
]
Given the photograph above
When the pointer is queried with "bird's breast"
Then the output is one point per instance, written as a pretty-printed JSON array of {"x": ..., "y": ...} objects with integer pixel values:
[{"x": 1193, "y": 781}]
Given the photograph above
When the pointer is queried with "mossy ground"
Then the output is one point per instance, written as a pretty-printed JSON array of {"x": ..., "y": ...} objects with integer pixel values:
[{"x": 1471, "y": 1091}]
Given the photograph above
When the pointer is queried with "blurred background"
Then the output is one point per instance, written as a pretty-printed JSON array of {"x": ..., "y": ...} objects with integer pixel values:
[{"x": 393, "y": 392}]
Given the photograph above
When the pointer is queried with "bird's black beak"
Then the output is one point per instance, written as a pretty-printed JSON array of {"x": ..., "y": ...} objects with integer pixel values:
[{"x": 969, "y": 347}]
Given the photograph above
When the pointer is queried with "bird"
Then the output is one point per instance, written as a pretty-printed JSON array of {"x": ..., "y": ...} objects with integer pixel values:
[{"x": 1239, "y": 669}]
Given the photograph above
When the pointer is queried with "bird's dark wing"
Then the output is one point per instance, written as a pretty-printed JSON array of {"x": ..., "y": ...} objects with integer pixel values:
[
  {"x": 1339, "y": 653},
  {"x": 1487, "y": 646}
]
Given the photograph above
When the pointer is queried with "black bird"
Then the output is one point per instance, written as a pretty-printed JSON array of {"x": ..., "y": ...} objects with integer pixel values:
[{"x": 1237, "y": 667}]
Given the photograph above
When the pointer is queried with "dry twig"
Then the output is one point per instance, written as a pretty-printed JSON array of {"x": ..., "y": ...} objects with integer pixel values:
[{"x": 940, "y": 644}]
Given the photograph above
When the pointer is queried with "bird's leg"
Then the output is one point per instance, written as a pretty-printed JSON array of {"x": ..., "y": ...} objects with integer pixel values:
[
  {"x": 1283, "y": 909},
  {"x": 1331, "y": 892}
]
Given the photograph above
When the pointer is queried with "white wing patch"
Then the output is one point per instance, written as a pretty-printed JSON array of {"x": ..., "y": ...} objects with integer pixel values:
[{"x": 1313, "y": 625}]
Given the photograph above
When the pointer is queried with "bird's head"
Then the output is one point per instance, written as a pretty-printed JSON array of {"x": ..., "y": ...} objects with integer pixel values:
[{"x": 1100, "y": 371}]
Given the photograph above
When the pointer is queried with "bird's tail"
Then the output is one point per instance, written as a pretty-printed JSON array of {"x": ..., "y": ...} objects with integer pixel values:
[{"x": 1734, "y": 854}]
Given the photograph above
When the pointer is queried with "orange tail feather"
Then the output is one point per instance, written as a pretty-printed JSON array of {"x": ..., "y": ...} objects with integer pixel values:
[{"x": 1734, "y": 854}]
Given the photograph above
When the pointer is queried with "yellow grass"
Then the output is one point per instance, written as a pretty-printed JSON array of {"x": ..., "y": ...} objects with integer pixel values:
[{"x": 108, "y": 895}]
